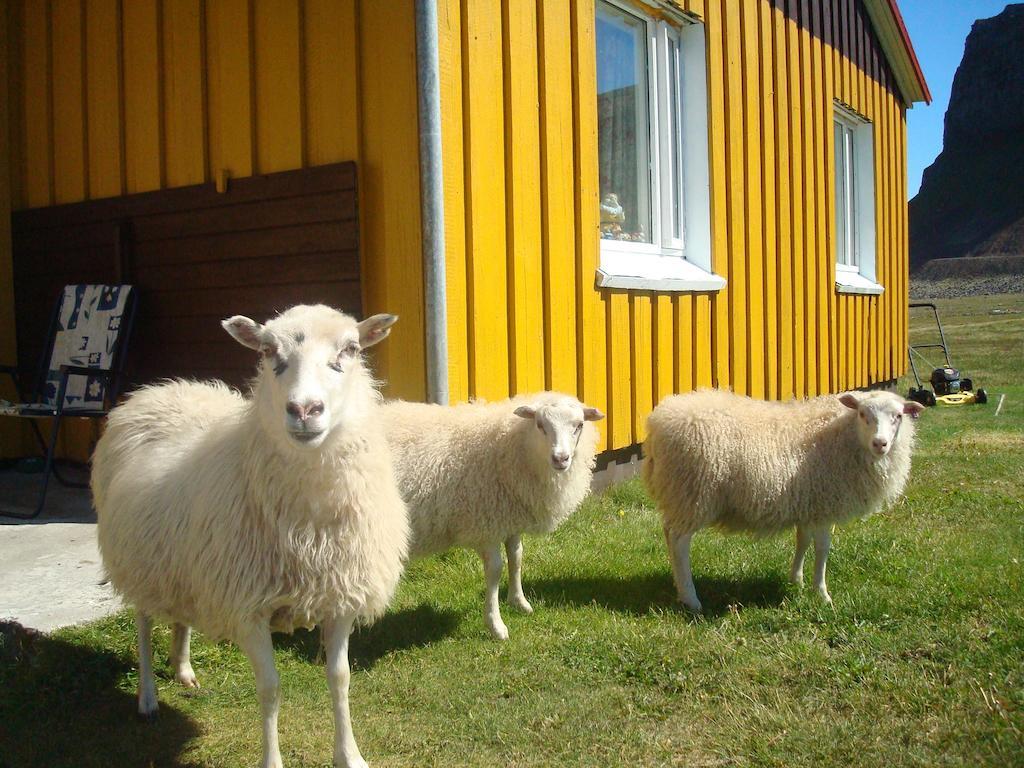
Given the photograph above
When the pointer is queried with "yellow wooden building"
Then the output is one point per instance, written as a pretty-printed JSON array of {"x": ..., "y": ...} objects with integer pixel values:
[{"x": 639, "y": 197}]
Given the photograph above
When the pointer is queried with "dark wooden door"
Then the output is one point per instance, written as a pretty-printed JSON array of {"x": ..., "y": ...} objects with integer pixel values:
[{"x": 196, "y": 257}]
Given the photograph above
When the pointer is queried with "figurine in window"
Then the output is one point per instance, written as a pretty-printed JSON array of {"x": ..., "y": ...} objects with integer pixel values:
[
  {"x": 611, "y": 230},
  {"x": 611, "y": 209}
]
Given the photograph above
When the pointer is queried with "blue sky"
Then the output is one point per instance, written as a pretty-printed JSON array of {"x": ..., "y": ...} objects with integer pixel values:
[{"x": 938, "y": 29}]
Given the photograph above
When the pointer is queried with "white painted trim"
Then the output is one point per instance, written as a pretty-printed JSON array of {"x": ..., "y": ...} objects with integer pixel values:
[
  {"x": 853, "y": 282},
  {"x": 899, "y": 58},
  {"x": 864, "y": 208},
  {"x": 696, "y": 282},
  {"x": 669, "y": 263},
  {"x": 864, "y": 179},
  {"x": 672, "y": 11},
  {"x": 696, "y": 175}
]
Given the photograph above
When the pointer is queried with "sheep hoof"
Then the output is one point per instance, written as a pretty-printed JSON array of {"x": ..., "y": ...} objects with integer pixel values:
[
  {"x": 187, "y": 678},
  {"x": 499, "y": 631},
  {"x": 342, "y": 762},
  {"x": 694, "y": 607},
  {"x": 825, "y": 596},
  {"x": 148, "y": 705},
  {"x": 796, "y": 579},
  {"x": 521, "y": 604},
  {"x": 149, "y": 717}
]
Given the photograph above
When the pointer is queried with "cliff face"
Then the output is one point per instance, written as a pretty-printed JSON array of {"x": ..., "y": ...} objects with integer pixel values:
[{"x": 971, "y": 201}]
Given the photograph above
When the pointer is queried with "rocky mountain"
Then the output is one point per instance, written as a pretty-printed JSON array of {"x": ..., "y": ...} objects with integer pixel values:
[{"x": 971, "y": 201}]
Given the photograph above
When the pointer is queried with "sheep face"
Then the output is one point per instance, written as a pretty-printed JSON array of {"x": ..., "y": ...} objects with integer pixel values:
[
  {"x": 879, "y": 417},
  {"x": 312, "y": 378},
  {"x": 559, "y": 426}
]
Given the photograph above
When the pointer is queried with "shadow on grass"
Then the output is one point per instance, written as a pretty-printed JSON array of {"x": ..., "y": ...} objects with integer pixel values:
[
  {"x": 398, "y": 631},
  {"x": 60, "y": 706},
  {"x": 642, "y": 593}
]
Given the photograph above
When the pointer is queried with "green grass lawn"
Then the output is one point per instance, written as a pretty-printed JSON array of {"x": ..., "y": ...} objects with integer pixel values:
[{"x": 919, "y": 663}]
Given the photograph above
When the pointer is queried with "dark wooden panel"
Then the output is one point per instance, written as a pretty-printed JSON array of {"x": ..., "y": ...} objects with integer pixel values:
[
  {"x": 92, "y": 260},
  {"x": 301, "y": 183},
  {"x": 329, "y": 237},
  {"x": 259, "y": 302},
  {"x": 246, "y": 216},
  {"x": 183, "y": 329},
  {"x": 195, "y": 256},
  {"x": 174, "y": 356},
  {"x": 238, "y": 379},
  {"x": 271, "y": 270},
  {"x": 100, "y": 235}
]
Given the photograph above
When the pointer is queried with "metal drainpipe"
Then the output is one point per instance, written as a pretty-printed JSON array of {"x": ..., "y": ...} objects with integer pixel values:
[{"x": 432, "y": 201}]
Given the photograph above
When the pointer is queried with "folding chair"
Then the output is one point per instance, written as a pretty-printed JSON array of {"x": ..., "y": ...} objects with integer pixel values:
[{"x": 80, "y": 373}]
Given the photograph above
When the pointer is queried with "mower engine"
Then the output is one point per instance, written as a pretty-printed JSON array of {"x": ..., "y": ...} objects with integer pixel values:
[{"x": 947, "y": 381}]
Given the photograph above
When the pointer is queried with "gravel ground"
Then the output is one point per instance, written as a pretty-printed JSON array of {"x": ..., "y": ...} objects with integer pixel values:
[{"x": 956, "y": 287}]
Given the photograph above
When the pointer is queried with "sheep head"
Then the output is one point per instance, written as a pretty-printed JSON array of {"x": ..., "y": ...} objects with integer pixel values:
[
  {"x": 560, "y": 421},
  {"x": 879, "y": 418},
  {"x": 312, "y": 377}
]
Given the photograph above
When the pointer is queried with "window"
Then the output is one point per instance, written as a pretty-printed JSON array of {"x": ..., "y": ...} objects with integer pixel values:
[
  {"x": 652, "y": 152},
  {"x": 853, "y": 152}
]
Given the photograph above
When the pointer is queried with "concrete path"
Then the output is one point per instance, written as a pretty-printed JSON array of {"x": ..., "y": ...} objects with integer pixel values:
[{"x": 50, "y": 571}]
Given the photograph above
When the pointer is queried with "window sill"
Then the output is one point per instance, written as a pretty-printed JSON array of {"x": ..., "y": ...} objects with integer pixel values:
[
  {"x": 854, "y": 282},
  {"x": 681, "y": 278}
]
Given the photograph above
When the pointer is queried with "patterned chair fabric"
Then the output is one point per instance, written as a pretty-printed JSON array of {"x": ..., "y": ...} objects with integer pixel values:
[{"x": 87, "y": 334}]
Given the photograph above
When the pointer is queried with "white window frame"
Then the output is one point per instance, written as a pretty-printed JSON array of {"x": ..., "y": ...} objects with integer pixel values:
[
  {"x": 853, "y": 246},
  {"x": 673, "y": 260}
]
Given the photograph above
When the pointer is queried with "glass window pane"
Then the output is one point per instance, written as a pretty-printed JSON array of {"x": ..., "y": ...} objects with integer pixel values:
[
  {"x": 840, "y": 192},
  {"x": 851, "y": 199},
  {"x": 676, "y": 136},
  {"x": 623, "y": 129}
]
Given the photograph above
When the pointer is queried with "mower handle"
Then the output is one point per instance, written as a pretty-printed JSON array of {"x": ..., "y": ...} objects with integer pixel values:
[{"x": 942, "y": 336}]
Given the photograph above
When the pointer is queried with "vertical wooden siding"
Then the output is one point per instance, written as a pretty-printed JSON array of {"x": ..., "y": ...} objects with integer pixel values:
[
  {"x": 520, "y": 134},
  {"x": 153, "y": 93},
  {"x": 111, "y": 97}
]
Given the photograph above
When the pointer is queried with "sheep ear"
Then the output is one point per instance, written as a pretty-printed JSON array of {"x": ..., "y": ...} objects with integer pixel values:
[
  {"x": 592, "y": 414},
  {"x": 913, "y": 409},
  {"x": 850, "y": 400},
  {"x": 250, "y": 334},
  {"x": 526, "y": 411},
  {"x": 375, "y": 329}
]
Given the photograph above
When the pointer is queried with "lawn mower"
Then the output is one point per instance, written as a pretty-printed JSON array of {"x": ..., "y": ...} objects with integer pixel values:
[{"x": 948, "y": 388}]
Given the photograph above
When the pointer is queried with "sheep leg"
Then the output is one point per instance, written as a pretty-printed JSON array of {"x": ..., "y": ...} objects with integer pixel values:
[
  {"x": 257, "y": 645},
  {"x": 336, "y": 634},
  {"x": 671, "y": 556},
  {"x": 181, "y": 642},
  {"x": 492, "y": 571},
  {"x": 147, "y": 683},
  {"x": 822, "y": 542},
  {"x": 803, "y": 541},
  {"x": 516, "y": 598},
  {"x": 679, "y": 556}
]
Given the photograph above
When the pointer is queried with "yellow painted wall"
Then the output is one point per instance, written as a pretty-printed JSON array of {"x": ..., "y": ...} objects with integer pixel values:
[
  {"x": 520, "y": 142},
  {"x": 113, "y": 97}
]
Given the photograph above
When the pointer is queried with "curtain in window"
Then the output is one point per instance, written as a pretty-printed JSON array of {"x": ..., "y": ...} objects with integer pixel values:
[{"x": 623, "y": 132}]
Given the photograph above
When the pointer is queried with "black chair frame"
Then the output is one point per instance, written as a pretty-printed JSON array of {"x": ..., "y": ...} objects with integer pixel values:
[{"x": 113, "y": 378}]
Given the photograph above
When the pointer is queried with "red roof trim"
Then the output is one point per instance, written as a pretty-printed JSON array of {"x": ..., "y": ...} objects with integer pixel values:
[{"x": 910, "y": 50}]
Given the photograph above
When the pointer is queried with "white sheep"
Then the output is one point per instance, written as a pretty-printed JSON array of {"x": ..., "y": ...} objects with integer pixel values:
[
  {"x": 715, "y": 458},
  {"x": 478, "y": 475},
  {"x": 243, "y": 516}
]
